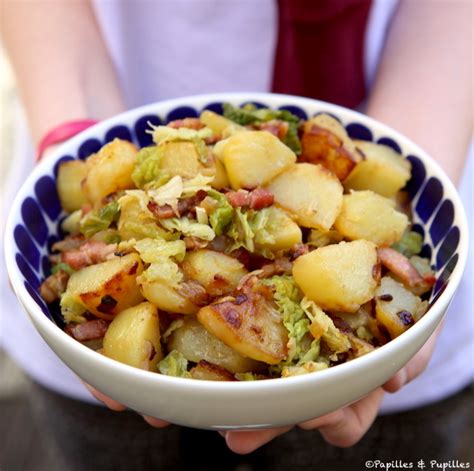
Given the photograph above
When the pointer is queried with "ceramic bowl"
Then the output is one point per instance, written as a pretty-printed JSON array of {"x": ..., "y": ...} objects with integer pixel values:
[{"x": 34, "y": 225}]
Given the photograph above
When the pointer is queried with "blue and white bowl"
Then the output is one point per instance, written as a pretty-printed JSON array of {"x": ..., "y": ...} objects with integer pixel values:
[{"x": 34, "y": 225}]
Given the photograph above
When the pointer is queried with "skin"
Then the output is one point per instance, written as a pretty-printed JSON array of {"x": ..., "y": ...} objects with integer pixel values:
[{"x": 425, "y": 67}]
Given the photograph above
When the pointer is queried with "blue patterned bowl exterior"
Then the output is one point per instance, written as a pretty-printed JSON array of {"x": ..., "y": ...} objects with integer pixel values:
[{"x": 41, "y": 214}]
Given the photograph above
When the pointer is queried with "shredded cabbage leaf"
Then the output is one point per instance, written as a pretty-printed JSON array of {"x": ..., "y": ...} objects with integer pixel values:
[
  {"x": 71, "y": 223},
  {"x": 63, "y": 267},
  {"x": 189, "y": 227},
  {"x": 136, "y": 221},
  {"x": 324, "y": 326},
  {"x": 410, "y": 244},
  {"x": 99, "y": 220},
  {"x": 174, "y": 364},
  {"x": 169, "y": 193},
  {"x": 176, "y": 188},
  {"x": 240, "y": 230},
  {"x": 221, "y": 217},
  {"x": 147, "y": 168},
  {"x": 263, "y": 226},
  {"x": 250, "y": 114},
  {"x": 162, "y": 256}
]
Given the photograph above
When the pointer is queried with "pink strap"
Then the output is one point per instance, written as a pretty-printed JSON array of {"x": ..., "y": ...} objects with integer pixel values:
[{"x": 61, "y": 133}]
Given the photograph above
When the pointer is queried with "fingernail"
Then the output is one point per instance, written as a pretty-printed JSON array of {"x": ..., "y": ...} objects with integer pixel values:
[{"x": 222, "y": 433}]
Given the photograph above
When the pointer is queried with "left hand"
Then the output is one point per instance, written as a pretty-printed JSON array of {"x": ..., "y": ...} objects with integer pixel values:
[{"x": 346, "y": 426}]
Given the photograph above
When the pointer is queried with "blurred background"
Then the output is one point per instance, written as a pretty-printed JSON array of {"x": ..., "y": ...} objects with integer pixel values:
[{"x": 22, "y": 446}]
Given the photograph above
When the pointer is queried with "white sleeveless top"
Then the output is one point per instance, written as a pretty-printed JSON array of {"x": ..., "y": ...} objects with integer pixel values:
[{"x": 164, "y": 49}]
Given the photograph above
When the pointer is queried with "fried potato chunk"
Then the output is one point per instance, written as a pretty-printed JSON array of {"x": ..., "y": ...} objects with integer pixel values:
[
  {"x": 109, "y": 171},
  {"x": 382, "y": 170},
  {"x": 339, "y": 277},
  {"x": 367, "y": 215},
  {"x": 248, "y": 322},
  {"x": 70, "y": 176},
  {"x": 107, "y": 288},
  {"x": 253, "y": 158},
  {"x": 325, "y": 142},
  {"x": 195, "y": 343},
  {"x": 309, "y": 192},
  {"x": 217, "y": 272},
  {"x": 133, "y": 337},
  {"x": 209, "y": 372},
  {"x": 396, "y": 308}
]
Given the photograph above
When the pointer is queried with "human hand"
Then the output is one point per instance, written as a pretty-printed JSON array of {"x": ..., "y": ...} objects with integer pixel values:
[
  {"x": 118, "y": 407},
  {"x": 346, "y": 426}
]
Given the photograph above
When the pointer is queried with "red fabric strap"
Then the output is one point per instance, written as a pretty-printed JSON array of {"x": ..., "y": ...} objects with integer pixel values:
[
  {"x": 320, "y": 49},
  {"x": 61, "y": 133}
]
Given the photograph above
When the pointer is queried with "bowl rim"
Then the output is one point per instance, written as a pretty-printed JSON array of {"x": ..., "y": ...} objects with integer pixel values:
[{"x": 381, "y": 354}]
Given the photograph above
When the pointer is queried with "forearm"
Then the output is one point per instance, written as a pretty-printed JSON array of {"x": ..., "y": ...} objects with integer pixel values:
[
  {"x": 424, "y": 83},
  {"x": 61, "y": 64}
]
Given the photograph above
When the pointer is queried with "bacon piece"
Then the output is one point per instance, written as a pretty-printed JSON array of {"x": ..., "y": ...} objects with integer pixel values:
[
  {"x": 401, "y": 267},
  {"x": 88, "y": 330},
  {"x": 190, "y": 123},
  {"x": 255, "y": 199},
  {"x": 164, "y": 211},
  {"x": 277, "y": 127},
  {"x": 68, "y": 243},
  {"x": 89, "y": 253},
  {"x": 220, "y": 244},
  {"x": 299, "y": 249},
  {"x": 260, "y": 198},
  {"x": 195, "y": 292},
  {"x": 55, "y": 285},
  {"x": 280, "y": 266},
  {"x": 184, "y": 206},
  {"x": 238, "y": 198}
]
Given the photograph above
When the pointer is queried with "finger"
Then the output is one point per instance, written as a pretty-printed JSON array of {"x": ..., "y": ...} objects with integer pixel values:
[
  {"x": 415, "y": 366},
  {"x": 107, "y": 401},
  {"x": 154, "y": 422},
  {"x": 347, "y": 426},
  {"x": 243, "y": 442}
]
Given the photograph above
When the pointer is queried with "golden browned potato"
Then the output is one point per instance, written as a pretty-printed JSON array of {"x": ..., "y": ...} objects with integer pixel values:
[
  {"x": 248, "y": 323},
  {"x": 396, "y": 308},
  {"x": 284, "y": 231},
  {"x": 209, "y": 372},
  {"x": 107, "y": 288},
  {"x": 220, "y": 178},
  {"x": 195, "y": 343},
  {"x": 217, "y": 272},
  {"x": 339, "y": 277},
  {"x": 253, "y": 158},
  {"x": 109, "y": 170},
  {"x": 325, "y": 142},
  {"x": 218, "y": 124},
  {"x": 311, "y": 193},
  {"x": 133, "y": 337},
  {"x": 382, "y": 170},
  {"x": 182, "y": 158},
  {"x": 167, "y": 298},
  {"x": 367, "y": 215},
  {"x": 69, "y": 181}
]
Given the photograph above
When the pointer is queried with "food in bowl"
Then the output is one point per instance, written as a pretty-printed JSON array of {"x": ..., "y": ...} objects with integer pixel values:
[{"x": 246, "y": 246}]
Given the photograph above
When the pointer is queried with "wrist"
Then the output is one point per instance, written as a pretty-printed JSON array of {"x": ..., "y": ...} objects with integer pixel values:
[{"x": 62, "y": 133}]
